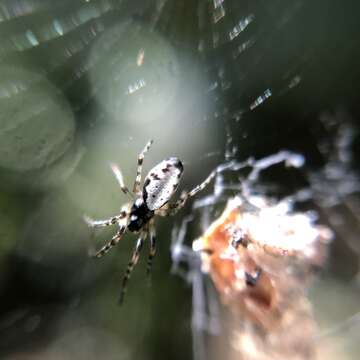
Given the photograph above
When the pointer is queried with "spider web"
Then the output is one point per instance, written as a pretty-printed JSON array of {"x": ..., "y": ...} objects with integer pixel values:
[{"x": 232, "y": 85}]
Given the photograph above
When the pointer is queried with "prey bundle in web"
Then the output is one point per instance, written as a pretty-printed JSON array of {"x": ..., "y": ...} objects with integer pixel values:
[{"x": 251, "y": 267}]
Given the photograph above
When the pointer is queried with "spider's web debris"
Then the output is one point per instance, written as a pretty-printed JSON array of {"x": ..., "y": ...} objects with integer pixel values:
[
  {"x": 336, "y": 180},
  {"x": 288, "y": 260},
  {"x": 258, "y": 331},
  {"x": 289, "y": 158}
]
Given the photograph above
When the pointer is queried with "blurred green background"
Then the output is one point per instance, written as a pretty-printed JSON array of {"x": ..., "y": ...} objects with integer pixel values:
[{"x": 87, "y": 82}]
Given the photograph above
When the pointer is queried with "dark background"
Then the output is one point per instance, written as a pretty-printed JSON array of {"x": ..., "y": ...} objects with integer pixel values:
[{"x": 261, "y": 76}]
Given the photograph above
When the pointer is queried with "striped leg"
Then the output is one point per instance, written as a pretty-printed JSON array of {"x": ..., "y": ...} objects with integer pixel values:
[
  {"x": 133, "y": 261},
  {"x": 141, "y": 156},
  {"x": 114, "y": 240},
  {"x": 152, "y": 249},
  {"x": 113, "y": 220},
  {"x": 102, "y": 223},
  {"x": 120, "y": 179},
  {"x": 203, "y": 185},
  {"x": 174, "y": 208}
]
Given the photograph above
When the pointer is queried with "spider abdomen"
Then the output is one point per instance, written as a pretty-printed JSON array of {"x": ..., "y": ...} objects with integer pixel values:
[{"x": 161, "y": 182}]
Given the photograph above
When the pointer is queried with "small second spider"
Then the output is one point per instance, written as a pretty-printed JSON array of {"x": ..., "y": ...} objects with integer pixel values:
[{"x": 147, "y": 201}]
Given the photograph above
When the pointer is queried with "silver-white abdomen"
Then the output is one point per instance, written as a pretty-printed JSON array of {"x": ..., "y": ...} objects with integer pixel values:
[{"x": 161, "y": 182}]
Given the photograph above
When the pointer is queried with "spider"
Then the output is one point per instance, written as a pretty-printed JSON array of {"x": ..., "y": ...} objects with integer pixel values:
[{"x": 150, "y": 200}]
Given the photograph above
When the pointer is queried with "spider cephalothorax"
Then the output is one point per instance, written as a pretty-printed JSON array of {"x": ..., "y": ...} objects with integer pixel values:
[
  {"x": 139, "y": 215},
  {"x": 150, "y": 200}
]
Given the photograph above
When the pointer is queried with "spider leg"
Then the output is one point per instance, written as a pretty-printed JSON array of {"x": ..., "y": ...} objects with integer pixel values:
[
  {"x": 163, "y": 211},
  {"x": 172, "y": 209},
  {"x": 202, "y": 186},
  {"x": 120, "y": 219},
  {"x": 111, "y": 221},
  {"x": 133, "y": 261},
  {"x": 152, "y": 248},
  {"x": 114, "y": 240},
  {"x": 137, "y": 183},
  {"x": 102, "y": 223},
  {"x": 119, "y": 177}
]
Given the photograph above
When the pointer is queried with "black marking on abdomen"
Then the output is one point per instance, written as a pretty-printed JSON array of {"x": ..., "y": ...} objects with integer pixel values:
[{"x": 154, "y": 176}]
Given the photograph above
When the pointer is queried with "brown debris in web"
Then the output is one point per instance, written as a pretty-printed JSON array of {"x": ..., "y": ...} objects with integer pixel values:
[{"x": 260, "y": 257}]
